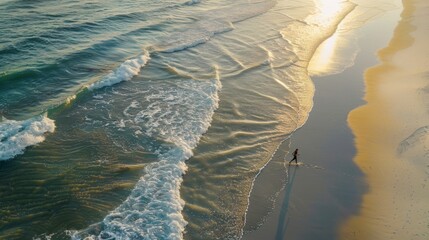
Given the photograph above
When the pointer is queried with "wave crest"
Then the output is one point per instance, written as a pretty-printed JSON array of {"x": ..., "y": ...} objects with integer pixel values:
[
  {"x": 125, "y": 72},
  {"x": 153, "y": 209},
  {"x": 15, "y": 136}
]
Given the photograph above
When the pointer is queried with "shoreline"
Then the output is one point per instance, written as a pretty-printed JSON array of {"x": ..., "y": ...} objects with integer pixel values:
[
  {"x": 328, "y": 187},
  {"x": 391, "y": 131}
]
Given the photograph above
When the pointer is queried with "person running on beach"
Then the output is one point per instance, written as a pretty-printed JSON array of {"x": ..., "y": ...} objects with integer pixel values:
[{"x": 295, "y": 156}]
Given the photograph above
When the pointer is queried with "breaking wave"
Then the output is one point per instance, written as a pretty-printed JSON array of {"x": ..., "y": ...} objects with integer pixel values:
[
  {"x": 153, "y": 209},
  {"x": 15, "y": 136},
  {"x": 125, "y": 72}
]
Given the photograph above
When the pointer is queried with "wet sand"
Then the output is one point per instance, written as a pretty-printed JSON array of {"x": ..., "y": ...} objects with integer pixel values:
[
  {"x": 392, "y": 136},
  {"x": 319, "y": 195}
]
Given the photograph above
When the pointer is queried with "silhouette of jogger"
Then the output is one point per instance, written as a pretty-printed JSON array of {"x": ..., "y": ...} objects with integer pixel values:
[{"x": 295, "y": 156}]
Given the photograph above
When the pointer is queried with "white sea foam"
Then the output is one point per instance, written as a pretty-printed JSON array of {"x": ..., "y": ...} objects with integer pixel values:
[
  {"x": 178, "y": 115},
  {"x": 15, "y": 136},
  {"x": 134, "y": 104},
  {"x": 125, "y": 72},
  {"x": 70, "y": 99}
]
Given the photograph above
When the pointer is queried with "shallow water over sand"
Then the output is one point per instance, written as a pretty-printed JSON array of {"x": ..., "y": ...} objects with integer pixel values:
[{"x": 134, "y": 90}]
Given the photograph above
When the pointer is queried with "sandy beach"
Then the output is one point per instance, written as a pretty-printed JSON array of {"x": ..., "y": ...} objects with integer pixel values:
[
  {"x": 177, "y": 119},
  {"x": 328, "y": 188},
  {"x": 392, "y": 136}
]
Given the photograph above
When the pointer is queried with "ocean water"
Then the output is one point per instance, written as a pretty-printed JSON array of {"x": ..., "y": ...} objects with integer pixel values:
[{"x": 148, "y": 119}]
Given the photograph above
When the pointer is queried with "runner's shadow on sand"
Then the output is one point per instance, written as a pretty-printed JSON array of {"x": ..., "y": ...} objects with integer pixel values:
[{"x": 283, "y": 221}]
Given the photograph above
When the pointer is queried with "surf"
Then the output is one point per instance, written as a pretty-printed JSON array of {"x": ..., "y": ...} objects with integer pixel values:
[{"x": 168, "y": 116}]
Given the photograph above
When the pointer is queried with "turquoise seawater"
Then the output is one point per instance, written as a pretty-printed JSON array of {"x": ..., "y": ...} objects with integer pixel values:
[{"x": 146, "y": 119}]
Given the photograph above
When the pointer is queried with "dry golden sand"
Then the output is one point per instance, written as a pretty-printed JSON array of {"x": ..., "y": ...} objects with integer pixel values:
[{"x": 391, "y": 136}]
